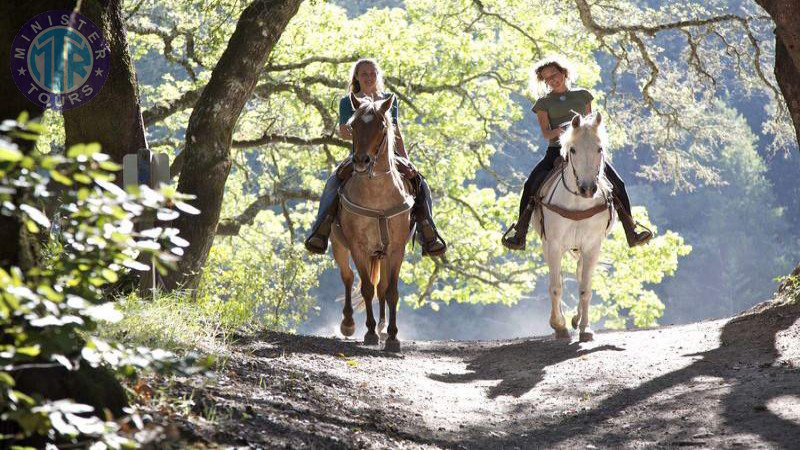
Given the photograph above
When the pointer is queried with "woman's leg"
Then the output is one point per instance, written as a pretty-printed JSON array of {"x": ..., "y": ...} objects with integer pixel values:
[
  {"x": 623, "y": 206},
  {"x": 432, "y": 244},
  {"x": 515, "y": 237},
  {"x": 317, "y": 240}
]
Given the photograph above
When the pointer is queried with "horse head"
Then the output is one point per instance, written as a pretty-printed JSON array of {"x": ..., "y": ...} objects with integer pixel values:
[
  {"x": 372, "y": 129},
  {"x": 582, "y": 146}
]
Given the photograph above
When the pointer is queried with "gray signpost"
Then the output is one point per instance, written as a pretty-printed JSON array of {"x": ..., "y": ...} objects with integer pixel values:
[{"x": 152, "y": 170}]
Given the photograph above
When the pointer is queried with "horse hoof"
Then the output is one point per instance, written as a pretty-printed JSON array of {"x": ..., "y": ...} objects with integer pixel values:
[
  {"x": 586, "y": 337},
  {"x": 563, "y": 333},
  {"x": 347, "y": 330},
  {"x": 575, "y": 322},
  {"x": 371, "y": 339},
  {"x": 383, "y": 335},
  {"x": 392, "y": 346}
]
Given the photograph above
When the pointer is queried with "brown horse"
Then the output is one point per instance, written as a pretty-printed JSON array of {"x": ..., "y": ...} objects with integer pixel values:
[{"x": 374, "y": 219}]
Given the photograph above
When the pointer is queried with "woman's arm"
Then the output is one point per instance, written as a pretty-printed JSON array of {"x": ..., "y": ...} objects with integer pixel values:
[{"x": 544, "y": 124}]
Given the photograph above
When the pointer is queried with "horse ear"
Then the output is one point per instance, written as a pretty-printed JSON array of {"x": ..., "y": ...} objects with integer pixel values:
[
  {"x": 597, "y": 119},
  {"x": 576, "y": 121},
  {"x": 387, "y": 103},
  {"x": 354, "y": 101}
]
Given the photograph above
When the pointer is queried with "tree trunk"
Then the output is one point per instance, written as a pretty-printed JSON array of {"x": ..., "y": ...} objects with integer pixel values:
[
  {"x": 786, "y": 15},
  {"x": 13, "y": 16},
  {"x": 94, "y": 386},
  {"x": 123, "y": 131},
  {"x": 208, "y": 135}
]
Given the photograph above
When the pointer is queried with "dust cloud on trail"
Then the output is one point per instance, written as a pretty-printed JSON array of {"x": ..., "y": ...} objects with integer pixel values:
[{"x": 455, "y": 321}]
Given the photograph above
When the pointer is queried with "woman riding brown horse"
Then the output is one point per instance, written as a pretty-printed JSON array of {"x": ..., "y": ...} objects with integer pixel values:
[{"x": 366, "y": 81}]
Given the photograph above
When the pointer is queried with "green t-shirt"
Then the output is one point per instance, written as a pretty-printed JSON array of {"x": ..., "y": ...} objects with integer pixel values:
[{"x": 560, "y": 107}]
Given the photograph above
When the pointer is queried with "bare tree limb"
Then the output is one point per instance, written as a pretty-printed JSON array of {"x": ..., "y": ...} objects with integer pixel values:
[{"x": 231, "y": 226}]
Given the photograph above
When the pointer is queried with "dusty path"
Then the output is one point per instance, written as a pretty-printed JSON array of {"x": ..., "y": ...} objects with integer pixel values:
[{"x": 720, "y": 384}]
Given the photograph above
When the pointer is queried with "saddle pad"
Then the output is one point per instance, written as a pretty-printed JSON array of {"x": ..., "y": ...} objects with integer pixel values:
[{"x": 551, "y": 179}]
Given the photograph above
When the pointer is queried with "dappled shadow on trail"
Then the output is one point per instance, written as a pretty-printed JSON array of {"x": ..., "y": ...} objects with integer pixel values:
[
  {"x": 518, "y": 366},
  {"x": 744, "y": 377}
]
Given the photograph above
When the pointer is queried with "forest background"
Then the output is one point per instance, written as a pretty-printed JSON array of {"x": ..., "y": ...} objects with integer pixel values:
[{"x": 708, "y": 157}]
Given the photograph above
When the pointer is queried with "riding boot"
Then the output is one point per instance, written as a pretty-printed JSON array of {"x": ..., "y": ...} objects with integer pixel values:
[
  {"x": 633, "y": 237},
  {"x": 623, "y": 206},
  {"x": 428, "y": 237},
  {"x": 317, "y": 240},
  {"x": 515, "y": 237}
]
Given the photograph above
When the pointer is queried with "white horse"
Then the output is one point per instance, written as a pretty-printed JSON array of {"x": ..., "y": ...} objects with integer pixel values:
[{"x": 576, "y": 213}]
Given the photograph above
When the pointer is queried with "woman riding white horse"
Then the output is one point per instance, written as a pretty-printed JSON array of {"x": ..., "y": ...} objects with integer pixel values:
[
  {"x": 576, "y": 214},
  {"x": 554, "y": 112}
]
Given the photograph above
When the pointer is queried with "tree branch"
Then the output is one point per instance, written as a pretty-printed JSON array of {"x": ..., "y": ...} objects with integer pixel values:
[
  {"x": 231, "y": 226},
  {"x": 270, "y": 138}
]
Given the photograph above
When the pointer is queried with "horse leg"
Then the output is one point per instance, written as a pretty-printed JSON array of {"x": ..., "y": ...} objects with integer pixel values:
[
  {"x": 579, "y": 276},
  {"x": 392, "y": 296},
  {"x": 368, "y": 292},
  {"x": 557, "y": 322},
  {"x": 382, "y": 287},
  {"x": 342, "y": 257},
  {"x": 591, "y": 257}
]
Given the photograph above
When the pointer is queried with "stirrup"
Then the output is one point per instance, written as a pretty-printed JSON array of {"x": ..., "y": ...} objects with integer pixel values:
[
  {"x": 648, "y": 235},
  {"x": 316, "y": 244},
  {"x": 427, "y": 244},
  {"x": 513, "y": 245}
]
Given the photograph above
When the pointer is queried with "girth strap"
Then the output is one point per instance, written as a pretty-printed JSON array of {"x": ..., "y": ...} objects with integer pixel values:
[
  {"x": 383, "y": 216},
  {"x": 577, "y": 215}
]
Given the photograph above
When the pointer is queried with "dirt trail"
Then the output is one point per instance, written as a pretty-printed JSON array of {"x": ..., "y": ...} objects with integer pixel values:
[{"x": 717, "y": 384}]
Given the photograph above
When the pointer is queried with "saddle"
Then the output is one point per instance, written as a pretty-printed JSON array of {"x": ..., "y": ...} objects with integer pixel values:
[
  {"x": 547, "y": 186},
  {"x": 412, "y": 183},
  {"x": 552, "y": 178},
  {"x": 406, "y": 168}
]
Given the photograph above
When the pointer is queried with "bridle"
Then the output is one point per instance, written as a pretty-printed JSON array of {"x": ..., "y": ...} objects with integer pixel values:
[
  {"x": 383, "y": 145},
  {"x": 573, "y": 214},
  {"x": 575, "y": 174}
]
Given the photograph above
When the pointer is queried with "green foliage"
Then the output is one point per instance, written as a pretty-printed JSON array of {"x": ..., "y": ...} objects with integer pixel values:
[
  {"x": 457, "y": 108},
  {"x": 50, "y": 312}
]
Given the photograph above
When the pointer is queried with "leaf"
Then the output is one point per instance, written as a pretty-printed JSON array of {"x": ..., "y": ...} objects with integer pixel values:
[
  {"x": 187, "y": 208},
  {"x": 29, "y": 351},
  {"x": 165, "y": 214},
  {"x": 9, "y": 154},
  {"x": 135, "y": 265},
  {"x": 58, "y": 176},
  {"x": 107, "y": 312},
  {"x": 109, "y": 275},
  {"x": 6, "y": 379},
  {"x": 36, "y": 215}
]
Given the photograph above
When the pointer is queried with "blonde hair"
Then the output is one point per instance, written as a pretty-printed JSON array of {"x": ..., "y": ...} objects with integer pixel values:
[
  {"x": 355, "y": 86},
  {"x": 537, "y": 84}
]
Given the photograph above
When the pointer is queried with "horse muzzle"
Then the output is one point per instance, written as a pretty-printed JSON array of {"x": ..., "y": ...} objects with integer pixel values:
[
  {"x": 361, "y": 163},
  {"x": 587, "y": 191}
]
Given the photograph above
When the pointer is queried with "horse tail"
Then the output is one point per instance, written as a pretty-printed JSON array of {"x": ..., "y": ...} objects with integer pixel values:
[{"x": 375, "y": 273}]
